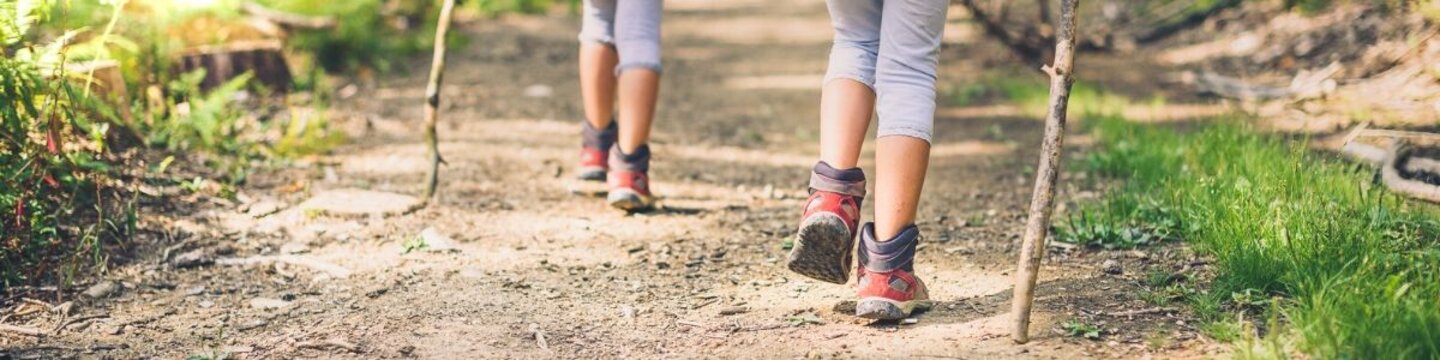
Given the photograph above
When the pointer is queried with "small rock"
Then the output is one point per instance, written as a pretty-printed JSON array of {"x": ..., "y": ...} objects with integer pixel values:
[
  {"x": 267, "y": 303},
  {"x": 102, "y": 289},
  {"x": 733, "y": 310},
  {"x": 294, "y": 247},
  {"x": 348, "y": 91},
  {"x": 538, "y": 91},
  {"x": 193, "y": 258},
  {"x": 264, "y": 208},
  {"x": 437, "y": 242},
  {"x": 252, "y": 324},
  {"x": 195, "y": 291},
  {"x": 910, "y": 321},
  {"x": 206, "y": 304},
  {"x": 1111, "y": 267},
  {"x": 237, "y": 349}
]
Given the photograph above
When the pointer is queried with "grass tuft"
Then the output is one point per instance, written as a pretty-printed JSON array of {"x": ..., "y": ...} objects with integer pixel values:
[{"x": 1353, "y": 270}]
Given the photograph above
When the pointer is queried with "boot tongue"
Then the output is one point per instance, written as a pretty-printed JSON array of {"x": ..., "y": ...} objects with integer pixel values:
[{"x": 884, "y": 256}]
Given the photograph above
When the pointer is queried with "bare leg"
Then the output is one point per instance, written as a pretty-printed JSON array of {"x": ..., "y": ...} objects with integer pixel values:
[
  {"x": 845, "y": 109},
  {"x": 639, "y": 89},
  {"x": 901, "y": 162},
  {"x": 597, "y": 82}
]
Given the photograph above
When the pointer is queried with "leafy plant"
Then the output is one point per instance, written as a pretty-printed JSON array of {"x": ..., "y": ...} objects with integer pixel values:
[{"x": 1076, "y": 328}]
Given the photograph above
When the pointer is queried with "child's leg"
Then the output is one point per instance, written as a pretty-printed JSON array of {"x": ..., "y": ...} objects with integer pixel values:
[
  {"x": 825, "y": 241},
  {"x": 637, "y": 36},
  {"x": 905, "y": 81},
  {"x": 847, "y": 100},
  {"x": 598, "y": 59}
]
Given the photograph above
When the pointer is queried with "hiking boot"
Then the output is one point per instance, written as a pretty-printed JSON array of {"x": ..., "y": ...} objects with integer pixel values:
[
  {"x": 825, "y": 240},
  {"x": 594, "y": 145},
  {"x": 887, "y": 285},
  {"x": 629, "y": 180}
]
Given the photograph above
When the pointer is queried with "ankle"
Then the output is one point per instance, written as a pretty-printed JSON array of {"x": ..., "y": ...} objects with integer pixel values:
[{"x": 636, "y": 160}]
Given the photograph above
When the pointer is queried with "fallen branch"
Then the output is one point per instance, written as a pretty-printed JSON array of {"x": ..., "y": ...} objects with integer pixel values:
[
  {"x": 21, "y": 330},
  {"x": 329, "y": 344},
  {"x": 539, "y": 337},
  {"x": 67, "y": 323},
  {"x": 1305, "y": 85},
  {"x": 1391, "y": 174},
  {"x": 1139, "y": 312},
  {"x": 333, "y": 270}
]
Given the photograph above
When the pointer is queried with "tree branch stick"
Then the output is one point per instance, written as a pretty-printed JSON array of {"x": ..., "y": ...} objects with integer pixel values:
[
  {"x": 1042, "y": 203},
  {"x": 432, "y": 100}
]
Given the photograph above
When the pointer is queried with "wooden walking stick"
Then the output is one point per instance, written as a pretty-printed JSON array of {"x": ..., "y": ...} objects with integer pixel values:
[
  {"x": 1042, "y": 203},
  {"x": 432, "y": 100}
]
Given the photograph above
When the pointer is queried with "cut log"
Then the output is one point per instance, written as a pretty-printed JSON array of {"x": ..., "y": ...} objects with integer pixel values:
[{"x": 264, "y": 59}]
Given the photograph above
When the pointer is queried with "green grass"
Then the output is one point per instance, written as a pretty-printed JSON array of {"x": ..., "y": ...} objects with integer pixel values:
[{"x": 1351, "y": 270}]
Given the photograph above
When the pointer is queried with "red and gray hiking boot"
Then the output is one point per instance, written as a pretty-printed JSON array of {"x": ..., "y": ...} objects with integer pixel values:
[
  {"x": 629, "y": 180},
  {"x": 594, "y": 148},
  {"x": 826, "y": 238},
  {"x": 887, "y": 285}
]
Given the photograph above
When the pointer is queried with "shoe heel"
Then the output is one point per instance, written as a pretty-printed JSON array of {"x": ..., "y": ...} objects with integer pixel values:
[
  {"x": 880, "y": 309},
  {"x": 820, "y": 249}
]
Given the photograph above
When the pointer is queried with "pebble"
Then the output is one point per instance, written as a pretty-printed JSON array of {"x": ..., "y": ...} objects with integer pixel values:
[
  {"x": 193, "y": 258},
  {"x": 437, "y": 242},
  {"x": 102, "y": 289},
  {"x": 267, "y": 303},
  {"x": 1111, "y": 267},
  {"x": 252, "y": 324}
]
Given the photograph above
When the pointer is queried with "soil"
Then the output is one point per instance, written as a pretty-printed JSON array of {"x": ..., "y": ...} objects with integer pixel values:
[{"x": 531, "y": 271}]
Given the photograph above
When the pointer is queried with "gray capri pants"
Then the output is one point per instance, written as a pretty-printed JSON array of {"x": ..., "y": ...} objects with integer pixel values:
[
  {"x": 891, "y": 46},
  {"x": 632, "y": 26}
]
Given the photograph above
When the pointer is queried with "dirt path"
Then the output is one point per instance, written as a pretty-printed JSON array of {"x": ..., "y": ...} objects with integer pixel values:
[{"x": 735, "y": 136}]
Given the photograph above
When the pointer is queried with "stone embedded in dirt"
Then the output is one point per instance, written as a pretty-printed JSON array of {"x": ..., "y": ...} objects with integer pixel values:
[
  {"x": 733, "y": 310},
  {"x": 267, "y": 303},
  {"x": 295, "y": 247},
  {"x": 360, "y": 203},
  {"x": 437, "y": 242},
  {"x": 1111, "y": 267},
  {"x": 236, "y": 349},
  {"x": 252, "y": 324},
  {"x": 539, "y": 91},
  {"x": 193, "y": 258},
  {"x": 102, "y": 289},
  {"x": 264, "y": 208}
]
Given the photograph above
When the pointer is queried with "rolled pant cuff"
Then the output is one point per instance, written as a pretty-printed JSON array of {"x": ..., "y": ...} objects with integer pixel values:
[
  {"x": 638, "y": 65},
  {"x": 906, "y": 132},
  {"x": 868, "y": 82}
]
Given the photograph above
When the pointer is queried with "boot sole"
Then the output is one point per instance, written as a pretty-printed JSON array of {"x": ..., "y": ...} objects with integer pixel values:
[
  {"x": 821, "y": 249},
  {"x": 878, "y": 308},
  {"x": 630, "y": 201}
]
